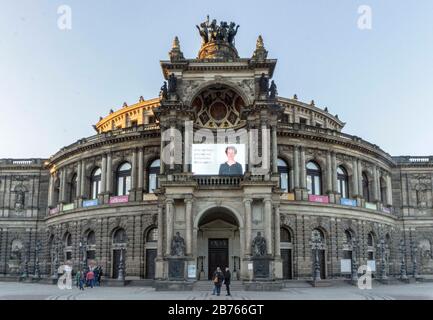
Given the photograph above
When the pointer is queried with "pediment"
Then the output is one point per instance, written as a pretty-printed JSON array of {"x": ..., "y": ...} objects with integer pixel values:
[{"x": 218, "y": 224}]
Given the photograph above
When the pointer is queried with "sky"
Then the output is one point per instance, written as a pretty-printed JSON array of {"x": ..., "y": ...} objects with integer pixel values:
[{"x": 55, "y": 83}]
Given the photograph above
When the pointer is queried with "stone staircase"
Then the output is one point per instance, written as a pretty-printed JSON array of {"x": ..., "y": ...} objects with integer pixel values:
[{"x": 207, "y": 285}]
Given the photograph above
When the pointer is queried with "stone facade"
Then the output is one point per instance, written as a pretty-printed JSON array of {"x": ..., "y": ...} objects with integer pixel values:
[{"x": 107, "y": 197}]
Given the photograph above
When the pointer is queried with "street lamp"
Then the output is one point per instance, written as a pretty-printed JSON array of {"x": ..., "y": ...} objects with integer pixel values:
[
  {"x": 403, "y": 273},
  {"x": 354, "y": 244},
  {"x": 414, "y": 251},
  {"x": 381, "y": 246},
  {"x": 121, "y": 275},
  {"x": 83, "y": 249},
  {"x": 25, "y": 273},
  {"x": 316, "y": 245},
  {"x": 55, "y": 274},
  {"x": 37, "y": 273}
]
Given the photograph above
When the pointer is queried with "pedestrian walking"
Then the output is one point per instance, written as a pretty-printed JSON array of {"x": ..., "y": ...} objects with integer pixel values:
[
  {"x": 227, "y": 277},
  {"x": 218, "y": 279},
  {"x": 90, "y": 277},
  {"x": 81, "y": 279}
]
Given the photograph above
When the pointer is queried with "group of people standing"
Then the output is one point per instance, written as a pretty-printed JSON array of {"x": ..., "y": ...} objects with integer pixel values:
[
  {"x": 219, "y": 278},
  {"x": 89, "y": 277}
]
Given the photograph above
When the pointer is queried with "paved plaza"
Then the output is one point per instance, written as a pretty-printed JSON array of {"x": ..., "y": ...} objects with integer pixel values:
[{"x": 28, "y": 291}]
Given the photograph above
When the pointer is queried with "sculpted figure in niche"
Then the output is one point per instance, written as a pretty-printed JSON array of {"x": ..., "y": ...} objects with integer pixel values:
[
  {"x": 259, "y": 245},
  {"x": 177, "y": 245}
]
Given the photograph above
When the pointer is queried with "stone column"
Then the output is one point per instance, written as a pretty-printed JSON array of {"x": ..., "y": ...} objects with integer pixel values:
[
  {"x": 161, "y": 152},
  {"x": 51, "y": 192},
  {"x": 375, "y": 185},
  {"x": 172, "y": 146},
  {"x": 274, "y": 150},
  {"x": 83, "y": 179},
  {"x": 188, "y": 211},
  {"x": 103, "y": 174},
  {"x": 296, "y": 172},
  {"x": 140, "y": 181},
  {"x": 247, "y": 204},
  {"x": 334, "y": 173},
  {"x": 250, "y": 149},
  {"x": 109, "y": 187},
  {"x": 188, "y": 139},
  {"x": 303, "y": 169},
  {"x": 160, "y": 252},
  {"x": 268, "y": 225},
  {"x": 78, "y": 189},
  {"x": 277, "y": 231},
  {"x": 328, "y": 173},
  {"x": 63, "y": 186},
  {"x": 360, "y": 178},
  {"x": 169, "y": 215},
  {"x": 265, "y": 148},
  {"x": 133, "y": 175},
  {"x": 388, "y": 191},
  {"x": 355, "y": 178}
]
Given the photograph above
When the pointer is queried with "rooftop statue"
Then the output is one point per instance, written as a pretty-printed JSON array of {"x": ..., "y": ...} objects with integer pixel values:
[{"x": 211, "y": 31}]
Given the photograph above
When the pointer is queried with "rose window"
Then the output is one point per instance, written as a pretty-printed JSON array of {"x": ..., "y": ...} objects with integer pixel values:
[{"x": 218, "y": 107}]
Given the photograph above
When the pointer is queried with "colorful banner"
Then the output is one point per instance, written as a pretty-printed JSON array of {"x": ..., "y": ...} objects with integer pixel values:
[
  {"x": 68, "y": 206},
  {"x": 321, "y": 199},
  {"x": 371, "y": 206},
  {"x": 118, "y": 199},
  {"x": 90, "y": 203},
  {"x": 348, "y": 202},
  {"x": 386, "y": 210},
  {"x": 54, "y": 210}
]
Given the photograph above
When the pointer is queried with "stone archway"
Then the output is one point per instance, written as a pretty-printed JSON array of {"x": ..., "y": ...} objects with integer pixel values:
[{"x": 218, "y": 241}]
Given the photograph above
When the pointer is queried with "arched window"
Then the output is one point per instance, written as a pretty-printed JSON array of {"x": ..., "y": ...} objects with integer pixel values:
[
  {"x": 343, "y": 182},
  {"x": 152, "y": 235},
  {"x": 285, "y": 235},
  {"x": 119, "y": 236},
  {"x": 152, "y": 178},
  {"x": 314, "y": 178},
  {"x": 68, "y": 246},
  {"x": 370, "y": 240},
  {"x": 73, "y": 189},
  {"x": 68, "y": 240},
  {"x": 283, "y": 171},
  {"x": 365, "y": 188},
  {"x": 348, "y": 236},
  {"x": 91, "y": 239},
  {"x": 123, "y": 177},
  {"x": 95, "y": 183}
]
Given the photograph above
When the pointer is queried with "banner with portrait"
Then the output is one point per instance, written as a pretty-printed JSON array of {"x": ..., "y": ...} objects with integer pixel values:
[{"x": 218, "y": 159}]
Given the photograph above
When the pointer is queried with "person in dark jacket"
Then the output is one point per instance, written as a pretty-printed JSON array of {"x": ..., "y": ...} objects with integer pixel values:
[
  {"x": 227, "y": 277},
  {"x": 218, "y": 275}
]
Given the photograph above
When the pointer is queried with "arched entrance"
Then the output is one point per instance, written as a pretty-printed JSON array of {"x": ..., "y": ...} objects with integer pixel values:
[
  {"x": 218, "y": 242},
  {"x": 118, "y": 251}
]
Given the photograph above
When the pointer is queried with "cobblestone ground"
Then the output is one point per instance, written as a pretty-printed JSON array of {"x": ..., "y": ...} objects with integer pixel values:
[{"x": 25, "y": 291}]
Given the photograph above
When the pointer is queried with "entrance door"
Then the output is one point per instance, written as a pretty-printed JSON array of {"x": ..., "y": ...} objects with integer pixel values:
[
  {"x": 322, "y": 262},
  {"x": 150, "y": 263},
  {"x": 286, "y": 256},
  {"x": 116, "y": 261},
  {"x": 218, "y": 255}
]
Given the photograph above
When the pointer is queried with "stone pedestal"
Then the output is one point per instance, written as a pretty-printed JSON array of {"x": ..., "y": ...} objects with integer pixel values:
[
  {"x": 261, "y": 267},
  {"x": 176, "y": 268}
]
